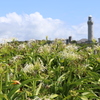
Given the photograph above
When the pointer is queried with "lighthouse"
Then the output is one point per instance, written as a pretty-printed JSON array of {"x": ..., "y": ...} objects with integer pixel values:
[{"x": 90, "y": 29}]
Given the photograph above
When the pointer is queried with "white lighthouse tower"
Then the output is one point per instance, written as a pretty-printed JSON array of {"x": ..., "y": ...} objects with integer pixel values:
[{"x": 90, "y": 29}]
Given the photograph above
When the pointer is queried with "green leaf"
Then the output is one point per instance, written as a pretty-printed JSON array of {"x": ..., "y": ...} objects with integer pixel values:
[
  {"x": 52, "y": 96},
  {"x": 85, "y": 93},
  {"x": 1, "y": 69},
  {"x": 50, "y": 62},
  {"x": 84, "y": 98},
  {"x": 13, "y": 90},
  {"x": 3, "y": 96},
  {"x": 37, "y": 91}
]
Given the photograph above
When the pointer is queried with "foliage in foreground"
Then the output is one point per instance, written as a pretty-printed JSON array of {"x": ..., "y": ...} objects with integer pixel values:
[{"x": 36, "y": 70}]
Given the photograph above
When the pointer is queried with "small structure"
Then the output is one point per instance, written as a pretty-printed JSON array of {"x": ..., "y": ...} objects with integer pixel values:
[
  {"x": 67, "y": 41},
  {"x": 90, "y": 29},
  {"x": 70, "y": 39},
  {"x": 98, "y": 40}
]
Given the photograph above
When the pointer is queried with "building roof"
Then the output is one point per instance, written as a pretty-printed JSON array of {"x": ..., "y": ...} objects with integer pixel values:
[{"x": 82, "y": 41}]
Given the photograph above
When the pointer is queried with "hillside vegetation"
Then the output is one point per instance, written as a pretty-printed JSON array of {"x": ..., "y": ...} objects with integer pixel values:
[{"x": 38, "y": 70}]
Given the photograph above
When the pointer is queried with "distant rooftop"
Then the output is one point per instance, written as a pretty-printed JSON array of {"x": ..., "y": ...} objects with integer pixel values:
[{"x": 82, "y": 41}]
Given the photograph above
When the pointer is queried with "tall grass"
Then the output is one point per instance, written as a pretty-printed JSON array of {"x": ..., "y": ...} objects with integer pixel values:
[{"x": 39, "y": 70}]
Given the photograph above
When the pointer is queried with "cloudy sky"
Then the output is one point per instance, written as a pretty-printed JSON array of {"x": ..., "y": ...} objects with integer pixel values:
[{"x": 36, "y": 19}]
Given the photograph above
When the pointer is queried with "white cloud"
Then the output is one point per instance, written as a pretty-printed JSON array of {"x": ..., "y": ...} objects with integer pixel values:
[{"x": 34, "y": 26}]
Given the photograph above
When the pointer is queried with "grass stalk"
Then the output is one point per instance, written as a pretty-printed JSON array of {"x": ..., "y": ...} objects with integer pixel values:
[
  {"x": 0, "y": 85},
  {"x": 6, "y": 77},
  {"x": 34, "y": 88},
  {"x": 15, "y": 72}
]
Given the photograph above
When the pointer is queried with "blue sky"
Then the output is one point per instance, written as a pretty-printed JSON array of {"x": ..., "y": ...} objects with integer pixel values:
[{"x": 36, "y": 19}]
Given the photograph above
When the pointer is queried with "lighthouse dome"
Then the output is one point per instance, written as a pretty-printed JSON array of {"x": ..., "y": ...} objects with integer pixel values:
[{"x": 90, "y": 15}]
